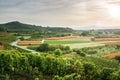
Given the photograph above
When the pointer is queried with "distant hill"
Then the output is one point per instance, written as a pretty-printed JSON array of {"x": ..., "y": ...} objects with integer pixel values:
[
  {"x": 115, "y": 31},
  {"x": 16, "y": 26}
]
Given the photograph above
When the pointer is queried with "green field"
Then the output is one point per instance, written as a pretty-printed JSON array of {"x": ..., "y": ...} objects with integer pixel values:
[
  {"x": 74, "y": 44},
  {"x": 58, "y": 42},
  {"x": 83, "y": 45}
]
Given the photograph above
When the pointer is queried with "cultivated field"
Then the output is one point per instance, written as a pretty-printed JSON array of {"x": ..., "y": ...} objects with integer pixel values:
[
  {"x": 59, "y": 42},
  {"x": 107, "y": 39},
  {"x": 29, "y": 43},
  {"x": 83, "y": 45},
  {"x": 73, "y": 41},
  {"x": 114, "y": 43},
  {"x": 71, "y": 38}
]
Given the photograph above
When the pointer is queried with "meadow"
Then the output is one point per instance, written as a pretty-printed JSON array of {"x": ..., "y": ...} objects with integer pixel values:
[{"x": 59, "y": 42}]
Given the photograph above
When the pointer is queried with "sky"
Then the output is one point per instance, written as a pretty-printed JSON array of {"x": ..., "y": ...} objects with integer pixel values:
[{"x": 76, "y": 14}]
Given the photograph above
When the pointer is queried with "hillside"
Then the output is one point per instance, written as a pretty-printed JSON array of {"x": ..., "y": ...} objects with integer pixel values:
[{"x": 16, "y": 26}]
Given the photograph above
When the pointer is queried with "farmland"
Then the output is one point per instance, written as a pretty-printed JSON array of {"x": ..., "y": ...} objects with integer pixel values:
[
  {"x": 107, "y": 39},
  {"x": 74, "y": 44},
  {"x": 83, "y": 45},
  {"x": 29, "y": 43},
  {"x": 73, "y": 41},
  {"x": 71, "y": 38},
  {"x": 59, "y": 42},
  {"x": 114, "y": 43},
  {"x": 62, "y": 56}
]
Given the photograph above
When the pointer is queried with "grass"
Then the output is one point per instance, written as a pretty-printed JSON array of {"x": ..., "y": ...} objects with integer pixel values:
[
  {"x": 58, "y": 42},
  {"x": 6, "y": 39},
  {"x": 74, "y": 44},
  {"x": 83, "y": 45},
  {"x": 101, "y": 62}
]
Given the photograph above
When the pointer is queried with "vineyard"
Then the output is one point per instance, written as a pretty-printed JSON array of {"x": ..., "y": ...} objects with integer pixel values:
[
  {"x": 27, "y": 66},
  {"x": 65, "y": 40},
  {"x": 59, "y": 58}
]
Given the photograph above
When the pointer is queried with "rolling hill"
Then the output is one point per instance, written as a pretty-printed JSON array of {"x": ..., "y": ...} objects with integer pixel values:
[{"x": 16, "y": 26}]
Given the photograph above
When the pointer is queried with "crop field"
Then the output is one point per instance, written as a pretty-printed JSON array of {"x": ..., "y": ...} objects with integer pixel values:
[
  {"x": 117, "y": 43},
  {"x": 29, "y": 43},
  {"x": 70, "y": 38},
  {"x": 74, "y": 44},
  {"x": 112, "y": 55},
  {"x": 83, "y": 45},
  {"x": 73, "y": 41},
  {"x": 61, "y": 42},
  {"x": 107, "y": 39}
]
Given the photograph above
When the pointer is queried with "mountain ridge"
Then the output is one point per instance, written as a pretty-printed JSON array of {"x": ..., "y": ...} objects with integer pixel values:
[{"x": 18, "y": 26}]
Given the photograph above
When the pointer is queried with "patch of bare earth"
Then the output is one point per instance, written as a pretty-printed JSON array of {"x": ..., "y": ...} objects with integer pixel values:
[
  {"x": 112, "y": 55},
  {"x": 107, "y": 39}
]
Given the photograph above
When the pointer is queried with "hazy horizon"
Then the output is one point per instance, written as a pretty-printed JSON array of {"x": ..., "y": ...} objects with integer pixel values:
[{"x": 77, "y": 14}]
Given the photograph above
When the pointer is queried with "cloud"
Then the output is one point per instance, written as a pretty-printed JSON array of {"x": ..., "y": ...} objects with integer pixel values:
[{"x": 57, "y": 12}]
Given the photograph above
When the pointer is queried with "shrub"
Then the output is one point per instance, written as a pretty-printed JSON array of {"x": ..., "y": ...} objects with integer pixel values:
[
  {"x": 118, "y": 58},
  {"x": 43, "y": 48},
  {"x": 58, "y": 52}
]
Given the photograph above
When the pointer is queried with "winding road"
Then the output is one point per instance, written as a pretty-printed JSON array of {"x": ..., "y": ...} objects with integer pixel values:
[{"x": 26, "y": 49}]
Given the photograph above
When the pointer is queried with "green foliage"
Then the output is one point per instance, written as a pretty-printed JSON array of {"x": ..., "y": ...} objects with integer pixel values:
[
  {"x": 80, "y": 52},
  {"x": 57, "y": 42},
  {"x": 85, "y": 33},
  {"x": 47, "y": 48},
  {"x": 6, "y": 39},
  {"x": 101, "y": 62},
  {"x": 57, "y": 78},
  {"x": 58, "y": 52},
  {"x": 118, "y": 58},
  {"x": 92, "y": 52},
  {"x": 43, "y": 48},
  {"x": 21, "y": 38},
  {"x": 19, "y": 27},
  {"x": 98, "y": 51},
  {"x": 26, "y": 66},
  {"x": 3, "y": 29},
  {"x": 106, "y": 74}
]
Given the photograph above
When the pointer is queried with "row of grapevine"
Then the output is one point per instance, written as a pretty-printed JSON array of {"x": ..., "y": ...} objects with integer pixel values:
[{"x": 26, "y": 66}]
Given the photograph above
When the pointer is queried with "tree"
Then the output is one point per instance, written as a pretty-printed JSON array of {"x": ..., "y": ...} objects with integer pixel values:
[
  {"x": 118, "y": 58},
  {"x": 43, "y": 48},
  {"x": 92, "y": 52},
  {"x": 3, "y": 29},
  {"x": 81, "y": 53},
  {"x": 85, "y": 33},
  {"x": 58, "y": 52},
  {"x": 21, "y": 38},
  {"x": 67, "y": 48}
]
